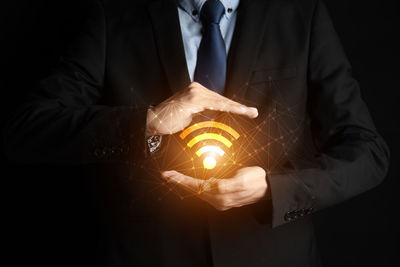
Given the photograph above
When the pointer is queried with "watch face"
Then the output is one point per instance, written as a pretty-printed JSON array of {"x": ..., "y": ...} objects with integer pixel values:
[{"x": 154, "y": 142}]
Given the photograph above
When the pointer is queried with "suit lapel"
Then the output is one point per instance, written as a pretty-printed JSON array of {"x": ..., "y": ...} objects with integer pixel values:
[
  {"x": 249, "y": 29},
  {"x": 165, "y": 20}
]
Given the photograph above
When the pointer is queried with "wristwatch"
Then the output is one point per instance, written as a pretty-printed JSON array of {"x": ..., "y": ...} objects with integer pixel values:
[{"x": 153, "y": 143}]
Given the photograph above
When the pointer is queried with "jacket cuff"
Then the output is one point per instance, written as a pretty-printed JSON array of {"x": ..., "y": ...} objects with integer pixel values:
[
  {"x": 121, "y": 140},
  {"x": 290, "y": 198}
]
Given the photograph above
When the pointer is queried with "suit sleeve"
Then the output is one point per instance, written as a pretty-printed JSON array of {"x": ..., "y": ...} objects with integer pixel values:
[
  {"x": 352, "y": 158},
  {"x": 64, "y": 120}
]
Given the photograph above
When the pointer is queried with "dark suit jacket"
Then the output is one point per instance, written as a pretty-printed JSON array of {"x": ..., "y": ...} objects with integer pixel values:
[{"x": 285, "y": 59}]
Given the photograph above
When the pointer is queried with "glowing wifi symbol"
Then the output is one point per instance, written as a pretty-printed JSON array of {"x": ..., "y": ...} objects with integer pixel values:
[{"x": 209, "y": 162}]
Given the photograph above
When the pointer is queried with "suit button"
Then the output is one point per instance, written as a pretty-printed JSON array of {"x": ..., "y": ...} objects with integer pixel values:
[
  {"x": 287, "y": 217},
  {"x": 115, "y": 150},
  {"x": 309, "y": 211},
  {"x": 99, "y": 153},
  {"x": 124, "y": 149}
]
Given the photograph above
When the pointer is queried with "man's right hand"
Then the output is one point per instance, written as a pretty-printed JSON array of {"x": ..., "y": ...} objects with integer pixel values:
[{"x": 175, "y": 113}]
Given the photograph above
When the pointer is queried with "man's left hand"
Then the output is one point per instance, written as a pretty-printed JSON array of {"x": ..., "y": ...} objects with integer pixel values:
[{"x": 247, "y": 186}]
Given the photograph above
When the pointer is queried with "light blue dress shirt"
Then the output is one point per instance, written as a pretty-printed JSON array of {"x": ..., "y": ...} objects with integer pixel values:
[{"x": 191, "y": 26}]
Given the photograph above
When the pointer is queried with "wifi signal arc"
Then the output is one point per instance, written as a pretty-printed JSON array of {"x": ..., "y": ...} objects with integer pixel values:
[{"x": 209, "y": 162}]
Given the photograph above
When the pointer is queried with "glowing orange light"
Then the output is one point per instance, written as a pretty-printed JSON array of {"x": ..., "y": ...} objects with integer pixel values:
[
  {"x": 209, "y": 124},
  {"x": 209, "y": 163},
  {"x": 209, "y": 136},
  {"x": 205, "y": 149}
]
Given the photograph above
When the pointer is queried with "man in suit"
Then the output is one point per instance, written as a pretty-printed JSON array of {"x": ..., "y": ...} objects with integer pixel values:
[{"x": 140, "y": 71}]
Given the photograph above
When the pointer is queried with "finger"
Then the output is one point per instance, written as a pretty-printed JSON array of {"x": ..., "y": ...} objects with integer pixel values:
[
  {"x": 194, "y": 185},
  {"x": 246, "y": 179},
  {"x": 190, "y": 183},
  {"x": 214, "y": 101},
  {"x": 218, "y": 202},
  {"x": 203, "y": 188},
  {"x": 222, "y": 103},
  {"x": 227, "y": 186},
  {"x": 213, "y": 186},
  {"x": 241, "y": 181}
]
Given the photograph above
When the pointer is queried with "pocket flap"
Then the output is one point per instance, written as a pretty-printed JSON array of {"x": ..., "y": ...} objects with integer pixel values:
[{"x": 260, "y": 76}]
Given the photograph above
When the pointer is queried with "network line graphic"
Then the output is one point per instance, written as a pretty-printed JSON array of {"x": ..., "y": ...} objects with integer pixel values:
[{"x": 214, "y": 149}]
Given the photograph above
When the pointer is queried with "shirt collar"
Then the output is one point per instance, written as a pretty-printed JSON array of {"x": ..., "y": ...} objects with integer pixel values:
[{"x": 193, "y": 7}]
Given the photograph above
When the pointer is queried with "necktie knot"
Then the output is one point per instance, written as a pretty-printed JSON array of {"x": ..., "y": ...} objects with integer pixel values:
[{"x": 212, "y": 12}]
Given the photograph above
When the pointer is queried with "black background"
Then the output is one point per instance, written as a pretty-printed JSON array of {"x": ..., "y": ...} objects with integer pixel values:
[{"x": 46, "y": 219}]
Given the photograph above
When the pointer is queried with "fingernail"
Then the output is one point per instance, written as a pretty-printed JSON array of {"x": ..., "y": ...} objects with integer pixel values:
[
  {"x": 167, "y": 174},
  {"x": 254, "y": 111}
]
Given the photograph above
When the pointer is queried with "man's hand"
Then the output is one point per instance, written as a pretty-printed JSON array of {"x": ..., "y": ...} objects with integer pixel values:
[
  {"x": 249, "y": 185},
  {"x": 175, "y": 113}
]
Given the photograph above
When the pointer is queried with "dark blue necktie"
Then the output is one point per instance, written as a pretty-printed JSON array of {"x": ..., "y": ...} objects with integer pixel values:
[{"x": 211, "y": 57}]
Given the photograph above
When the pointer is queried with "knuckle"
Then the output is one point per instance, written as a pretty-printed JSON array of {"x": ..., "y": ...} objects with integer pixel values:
[
  {"x": 239, "y": 108},
  {"x": 193, "y": 93},
  {"x": 192, "y": 97},
  {"x": 194, "y": 88},
  {"x": 194, "y": 84}
]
